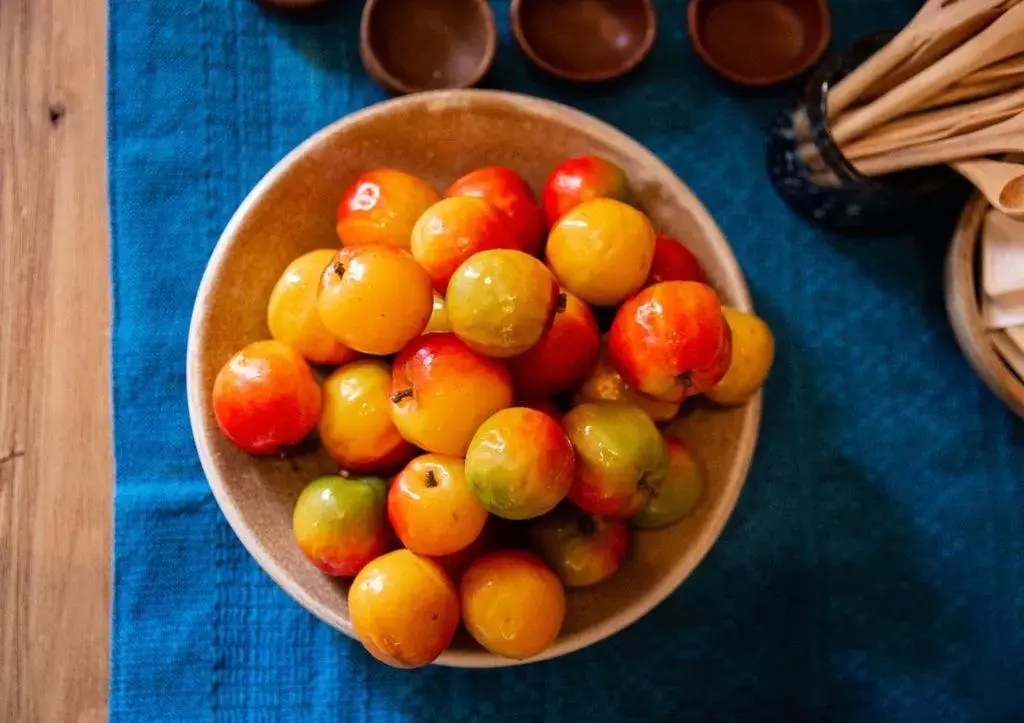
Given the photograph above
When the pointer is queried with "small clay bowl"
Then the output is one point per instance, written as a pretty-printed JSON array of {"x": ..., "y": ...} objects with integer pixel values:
[
  {"x": 409, "y": 45},
  {"x": 439, "y": 136},
  {"x": 585, "y": 40},
  {"x": 759, "y": 42}
]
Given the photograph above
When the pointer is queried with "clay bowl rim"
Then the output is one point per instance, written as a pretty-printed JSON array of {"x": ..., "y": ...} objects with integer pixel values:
[
  {"x": 961, "y": 282},
  {"x": 734, "y": 477},
  {"x": 757, "y": 81},
  {"x": 642, "y": 50},
  {"x": 379, "y": 71}
]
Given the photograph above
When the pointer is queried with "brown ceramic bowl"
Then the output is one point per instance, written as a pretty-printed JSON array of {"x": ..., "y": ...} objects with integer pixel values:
[
  {"x": 439, "y": 136},
  {"x": 759, "y": 42},
  {"x": 409, "y": 45},
  {"x": 584, "y": 40}
]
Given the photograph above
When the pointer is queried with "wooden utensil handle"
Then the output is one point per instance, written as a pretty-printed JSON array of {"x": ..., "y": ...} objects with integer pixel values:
[
  {"x": 1003, "y": 38},
  {"x": 938, "y": 153}
]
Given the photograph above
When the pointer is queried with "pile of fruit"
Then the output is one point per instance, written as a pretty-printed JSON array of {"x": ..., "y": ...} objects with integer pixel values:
[{"x": 472, "y": 390}]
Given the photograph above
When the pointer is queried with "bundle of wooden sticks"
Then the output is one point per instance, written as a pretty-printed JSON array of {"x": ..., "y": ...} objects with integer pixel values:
[{"x": 948, "y": 89}]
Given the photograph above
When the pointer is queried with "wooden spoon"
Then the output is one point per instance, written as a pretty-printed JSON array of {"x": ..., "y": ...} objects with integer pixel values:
[
  {"x": 938, "y": 26},
  {"x": 1002, "y": 39},
  {"x": 896, "y": 137},
  {"x": 1004, "y": 137},
  {"x": 1002, "y": 183},
  {"x": 1002, "y": 69}
]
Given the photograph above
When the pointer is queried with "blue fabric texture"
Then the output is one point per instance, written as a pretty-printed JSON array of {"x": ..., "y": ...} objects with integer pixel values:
[{"x": 874, "y": 568}]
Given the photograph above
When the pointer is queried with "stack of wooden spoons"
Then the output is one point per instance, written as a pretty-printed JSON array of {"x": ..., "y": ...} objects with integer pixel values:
[{"x": 948, "y": 89}]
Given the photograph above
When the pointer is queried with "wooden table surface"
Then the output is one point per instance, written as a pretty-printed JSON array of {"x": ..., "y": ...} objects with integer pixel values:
[{"x": 56, "y": 474}]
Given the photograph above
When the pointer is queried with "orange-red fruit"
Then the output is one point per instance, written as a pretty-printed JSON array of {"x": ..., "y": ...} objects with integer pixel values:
[
  {"x": 265, "y": 397},
  {"x": 431, "y": 507},
  {"x": 579, "y": 180},
  {"x": 453, "y": 229},
  {"x": 441, "y": 391},
  {"x": 671, "y": 340},
  {"x": 674, "y": 262},
  {"x": 564, "y": 356},
  {"x": 381, "y": 207},
  {"x": 507, "y": 190}
]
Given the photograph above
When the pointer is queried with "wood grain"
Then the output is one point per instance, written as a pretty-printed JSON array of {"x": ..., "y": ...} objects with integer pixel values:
[{"x": 55, "y": 450}]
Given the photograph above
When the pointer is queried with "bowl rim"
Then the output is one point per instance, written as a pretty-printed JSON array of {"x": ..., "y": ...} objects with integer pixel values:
[
  {"x": 735, "y": 475},
  {"x": 585, "y": 76}
]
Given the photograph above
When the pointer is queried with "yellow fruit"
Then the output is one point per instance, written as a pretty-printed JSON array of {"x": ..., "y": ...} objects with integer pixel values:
[
  {"x": 601, "y": 251},
  {"x": 292, "y": 316},
  {"x": 753, "y": 351}
]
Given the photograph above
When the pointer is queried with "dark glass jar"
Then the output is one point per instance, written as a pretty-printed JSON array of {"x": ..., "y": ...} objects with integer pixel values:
[{"x": 814, "y": 178}]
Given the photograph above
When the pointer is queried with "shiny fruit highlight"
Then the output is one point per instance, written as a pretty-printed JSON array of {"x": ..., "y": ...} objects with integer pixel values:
[
  {"x": 292, "y": 316},
  {"x": 671, "y": 340},
  {"x": 340, "y": 523},
  {"x": 500, "y": 302},
  {"x": 579, "y": 180},
  {"x": 355, "y": 425},
  {"x": 601, "y": 251},
  {"x": 512, "y": 604},
  {"x": 452, "y": 230},
  {"x": 621, "y": 458},
  {"x": 375, "y": 299},
  {"x": 520, "y": 464},
  {"x": 382, "y": 207},
  {"x": 431, "y": 507},
  {"x": 507, "y": 190},
  {"x": 441, "y": 391},
  {"x": 265, "y": 398},
  {"x": 404, "y": 609}
]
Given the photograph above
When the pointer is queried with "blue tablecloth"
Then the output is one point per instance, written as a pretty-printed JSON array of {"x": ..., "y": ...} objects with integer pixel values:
[{"x": 874, "y": 567}]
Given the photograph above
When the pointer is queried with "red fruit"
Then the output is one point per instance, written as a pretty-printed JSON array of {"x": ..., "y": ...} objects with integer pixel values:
[
  {"x": 671, "y": 340},
  {"x": 266, "y": 398},
  {"x": 674, "y": 262},
  {"x": 452, "y": 230},
  {"x": 381, "y": 207},
  {"x": 564, "y": 356},
  {"x": 441, "y": 391},
  {"x": 582, "y": 179},
  {"x": 507, "y": 190}
]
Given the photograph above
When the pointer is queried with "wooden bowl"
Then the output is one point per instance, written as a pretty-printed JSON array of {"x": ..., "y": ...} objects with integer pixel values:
[
  {"x": 759, "y": 42},
  {"x": 963, "y": 305},
  {"x": 440, "y": 136},
  {"x": 584, "y": 40},
  {"x": 409, "y": 45}
]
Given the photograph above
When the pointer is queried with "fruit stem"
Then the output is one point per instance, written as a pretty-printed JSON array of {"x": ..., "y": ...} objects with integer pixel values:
[
  {"x": 401, "y": 394},
  {"x": 642, "y": 486},
  {"x": 338, "y": 268},
  {"x": 431, "y": 479},
  {"x": 586, "y": 525},
  {"x": 561, "y": 302},
  {"x": 687, "y": 379}
]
